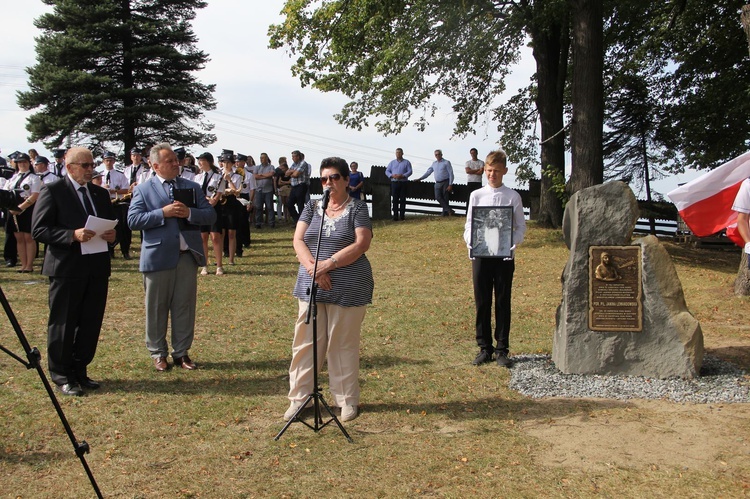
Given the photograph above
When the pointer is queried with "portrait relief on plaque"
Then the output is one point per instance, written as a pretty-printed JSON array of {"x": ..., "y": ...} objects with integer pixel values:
[
  {"x": 615, "y": 291},
  {"x": 491, "y": 231}
]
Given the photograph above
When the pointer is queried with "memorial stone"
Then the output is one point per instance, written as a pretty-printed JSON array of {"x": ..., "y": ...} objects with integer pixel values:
[{"x": 608, "y": 322}]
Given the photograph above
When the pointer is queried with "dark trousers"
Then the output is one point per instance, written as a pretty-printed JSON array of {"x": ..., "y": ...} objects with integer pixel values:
[
  {"x": 243, "y": 229},
  {"x": 488, "y": 275},
  {"x": 124, "y": 234},
  {"x": 76, "y": 311},
  {"x": 441, "y": 196},
  {"x": 472, "y": 186},
  {"x": 296, "y": 202},
  {"x": 398, "y": 196},
  {"x": 10, "y": 250}
]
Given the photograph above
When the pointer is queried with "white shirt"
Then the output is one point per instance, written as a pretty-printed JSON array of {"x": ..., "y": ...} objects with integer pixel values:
[
  {"x": 113, "y": 180},
  {"x": 500, "y": 196},
  {"x": 28, "y": 186},
  {"x": 474, "y": 165},
  {"x": 742, "y": 201}
]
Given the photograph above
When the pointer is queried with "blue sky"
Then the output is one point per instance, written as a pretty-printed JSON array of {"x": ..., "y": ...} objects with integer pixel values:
[{"x": 260, "y": 106}]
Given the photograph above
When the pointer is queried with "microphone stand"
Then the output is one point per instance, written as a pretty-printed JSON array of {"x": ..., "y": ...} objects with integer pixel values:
[
  {"x": 34, "y": 362},
  {"x": 312, "y": 311}
]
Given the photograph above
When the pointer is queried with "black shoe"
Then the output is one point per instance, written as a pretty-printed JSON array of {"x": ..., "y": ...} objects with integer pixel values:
[
  {"x": 503, "y": 360},
  {"x": 258, "y": 226},
  {"x": 73, "y": 389},
  {"x": 395, "y": 219},
  {"x": 482, "y": 358},
  {"x": 89, "y": 383},
  {"x": 10, "y": 263},
  {"x": 126, "y": 255}
]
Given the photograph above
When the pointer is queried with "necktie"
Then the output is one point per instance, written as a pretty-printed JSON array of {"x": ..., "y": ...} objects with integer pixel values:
[
  {"x": 170, "y": 185},
  {"x": 206, "y": 178},
  {"x": 107, "y": 182},
  {"x": 86, "y": 203}
]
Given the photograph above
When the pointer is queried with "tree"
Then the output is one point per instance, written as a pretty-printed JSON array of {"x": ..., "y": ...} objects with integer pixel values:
[
  {"x": 392, "y": 57},
  {"x": 587, "y": 91},
  {"x": 118, "y": 71},
  {"x": 709, "y": 109}
]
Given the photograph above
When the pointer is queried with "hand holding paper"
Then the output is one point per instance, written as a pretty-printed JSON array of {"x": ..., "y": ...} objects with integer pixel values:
[{"x": 103, "y": 232}]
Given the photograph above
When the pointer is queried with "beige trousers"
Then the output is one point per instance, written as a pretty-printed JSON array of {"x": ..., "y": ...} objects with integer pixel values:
[{"x": 339, "y": 330}]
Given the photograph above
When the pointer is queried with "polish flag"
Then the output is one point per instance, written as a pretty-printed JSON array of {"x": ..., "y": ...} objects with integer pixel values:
[{"x": 705, "y": 203}]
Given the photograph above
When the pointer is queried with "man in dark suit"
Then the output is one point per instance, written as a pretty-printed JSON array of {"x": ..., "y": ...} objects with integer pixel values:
[
  {"x": 171, "y": 253},
  {"x": 78, "y": 282}
]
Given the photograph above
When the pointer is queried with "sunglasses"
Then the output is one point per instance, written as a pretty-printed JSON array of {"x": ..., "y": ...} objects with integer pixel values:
[
  {"x": 84, "y": 165},
  {"x": 333, "y": 176}
]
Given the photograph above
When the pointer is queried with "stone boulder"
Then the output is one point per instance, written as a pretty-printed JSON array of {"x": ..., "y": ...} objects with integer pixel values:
[{"x": 671, "y": 342}]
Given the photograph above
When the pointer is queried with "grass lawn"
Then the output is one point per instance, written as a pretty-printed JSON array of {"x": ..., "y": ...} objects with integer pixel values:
[{"x": 431, "y": 424}]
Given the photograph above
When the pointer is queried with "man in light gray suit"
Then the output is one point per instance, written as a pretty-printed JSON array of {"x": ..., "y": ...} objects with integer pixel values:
[{"x": 171, "y": 252}]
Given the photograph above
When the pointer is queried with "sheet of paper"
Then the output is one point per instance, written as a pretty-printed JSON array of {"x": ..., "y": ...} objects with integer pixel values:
[{"x": 97, "y": 244}]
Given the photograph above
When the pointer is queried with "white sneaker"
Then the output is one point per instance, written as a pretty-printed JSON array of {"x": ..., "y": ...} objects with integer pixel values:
[
  {"x": 204, "y": 271},
  {"x": 219, "y": 270},
  {"x": 292, "y": 410},
  {"x": 349, "y": 412}
]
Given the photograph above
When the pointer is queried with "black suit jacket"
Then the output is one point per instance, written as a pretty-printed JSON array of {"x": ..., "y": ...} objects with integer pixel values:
[{"x": 58, "y": 212}]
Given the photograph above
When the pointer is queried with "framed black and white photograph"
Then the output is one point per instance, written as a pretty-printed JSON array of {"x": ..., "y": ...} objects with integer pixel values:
[{"x": 491, "y": 231}]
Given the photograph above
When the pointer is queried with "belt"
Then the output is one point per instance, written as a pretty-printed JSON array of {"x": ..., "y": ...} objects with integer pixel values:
[
  {"x": 183, "y": 252},
  {"x": 441, "y": 181}
]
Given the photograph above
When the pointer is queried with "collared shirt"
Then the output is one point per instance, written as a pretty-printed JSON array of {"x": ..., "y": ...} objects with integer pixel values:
[
  {"x": 209, "y": 182},
  {"x": 59, "y": 169},
  {"x": 81, "y": 194},
  {"x": 47, "y": 177},
  {"x": 187, "y": 174},
  {"x": 133, "y": 172},
  {"x": 443, "y": 171},
  {"x": 402, "y": 167},
  {"x": 265, "y": 185},
  {"x": 183, "y": 244},
  {"x": 499, "y": 196},
  {"x": 26, "y": 183},
  {"x": 112, "y": 180},
  {"x": 304, "y": 177}
]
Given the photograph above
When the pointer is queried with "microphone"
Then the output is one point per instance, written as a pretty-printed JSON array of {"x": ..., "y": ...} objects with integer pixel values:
[{"x": 326, "y": 197}]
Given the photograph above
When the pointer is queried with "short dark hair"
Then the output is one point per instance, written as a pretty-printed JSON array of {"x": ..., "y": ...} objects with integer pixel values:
[
  {"x": 339, "y": 164},
  {"x": 474, "y": 149}
]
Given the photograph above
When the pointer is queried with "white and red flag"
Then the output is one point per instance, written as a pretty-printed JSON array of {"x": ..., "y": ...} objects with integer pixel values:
[{"x": 705, "y": 203}]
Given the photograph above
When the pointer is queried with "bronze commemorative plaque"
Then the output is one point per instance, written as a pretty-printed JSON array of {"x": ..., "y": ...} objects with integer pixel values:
[{"x": 615, "y": 289}]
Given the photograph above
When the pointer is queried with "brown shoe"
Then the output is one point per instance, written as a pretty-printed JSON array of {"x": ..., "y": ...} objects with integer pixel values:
[
  {"x": 185, "y": 363},
  {"x": 160, "y": 364}
]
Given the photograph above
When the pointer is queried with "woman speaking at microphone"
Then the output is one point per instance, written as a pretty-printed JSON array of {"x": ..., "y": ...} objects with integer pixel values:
[{"x": 345, "y": 286}]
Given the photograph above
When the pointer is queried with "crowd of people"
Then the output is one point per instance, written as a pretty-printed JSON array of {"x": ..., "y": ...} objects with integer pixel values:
[{"x": 180, "y": 204}]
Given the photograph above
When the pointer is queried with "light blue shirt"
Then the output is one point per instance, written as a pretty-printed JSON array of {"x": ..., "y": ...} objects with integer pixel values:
[
  {"x": 443, "y": 171},
  {"x": 402, "y": 167}
]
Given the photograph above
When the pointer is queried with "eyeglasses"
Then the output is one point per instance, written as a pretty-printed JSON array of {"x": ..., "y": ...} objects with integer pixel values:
[
  {"x": 84, "y": 165},
  {"x": 333, "y": 176}
]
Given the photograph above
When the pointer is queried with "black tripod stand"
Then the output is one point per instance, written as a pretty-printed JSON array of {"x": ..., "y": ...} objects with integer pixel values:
[
  {"x": 35, "y": 362},
  {"x": 316, "y": 396}
]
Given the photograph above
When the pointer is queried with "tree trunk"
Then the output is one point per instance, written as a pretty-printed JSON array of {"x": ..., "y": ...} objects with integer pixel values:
[
  {"x": 128, "y": 83},
  {"x": 587, "y": 95},
  {"x": 550, "y": 48},
  {"x": 742, "y": 282}
]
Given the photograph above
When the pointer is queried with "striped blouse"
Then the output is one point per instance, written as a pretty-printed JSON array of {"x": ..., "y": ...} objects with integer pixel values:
[{"x": 352, "y": 285}]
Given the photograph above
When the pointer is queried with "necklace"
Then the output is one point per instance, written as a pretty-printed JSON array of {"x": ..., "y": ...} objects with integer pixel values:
[{"x": 343, "y": 205}]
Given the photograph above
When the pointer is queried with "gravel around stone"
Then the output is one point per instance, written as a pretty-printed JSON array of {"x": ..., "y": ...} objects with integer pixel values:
[{"x": 536, "y": 376}]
